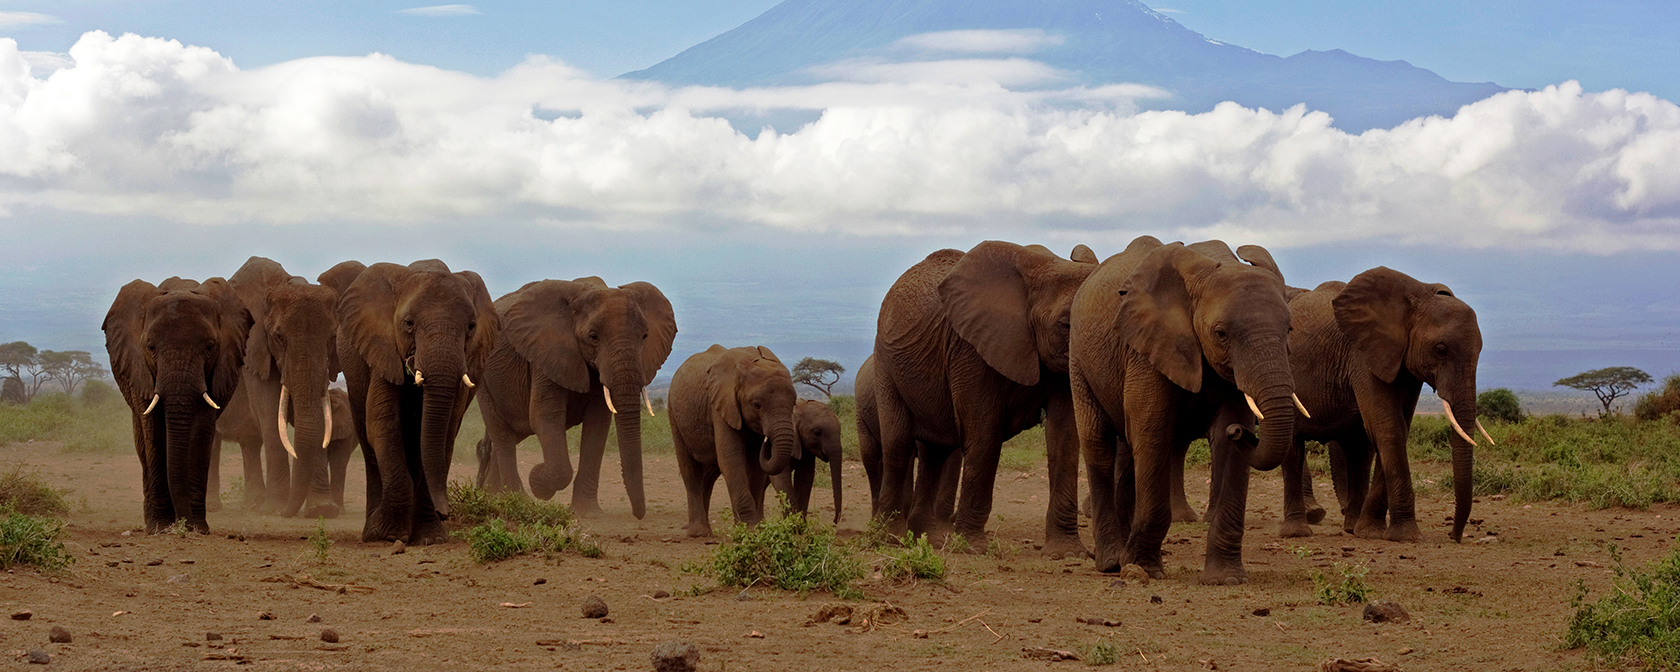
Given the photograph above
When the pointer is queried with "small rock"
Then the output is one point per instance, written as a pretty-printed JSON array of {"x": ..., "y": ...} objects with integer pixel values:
[
  {"x": 265, "y": 616},
  {"x": 675, "y": 656},
  {"x": 1407, "y": 651},
  {"x": 58, "y": 635},
  {"x": 39, "y": 657},
  {"x": 539, "y": 582},
  {"x": 594, "y": 607},
  {"x": 213, "y": 636},
  {"x": 178, "y": 578},
  {"x": 1263, "y": 611},
  {"x": 754, "y": 635},
  {"x": 399, "y": 548},
  {"x": 1154, "y": 599},
  {"x": 329, "y": 636},
  {"x": 23, "y": 615},
  {"x": 188, "y": 562},
  {"x": 154, "y": 562},
  {"x": 1386, "y": 611},
  {"x": 1488, "y": 540},
  {"x": 744, "y": 597},
  {"x": 313, "y": 618},
  {"x": 661, "y": 594}
]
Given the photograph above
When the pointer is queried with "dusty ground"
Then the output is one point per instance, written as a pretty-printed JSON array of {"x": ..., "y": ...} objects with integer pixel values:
[{"x": 139, "y": 602}]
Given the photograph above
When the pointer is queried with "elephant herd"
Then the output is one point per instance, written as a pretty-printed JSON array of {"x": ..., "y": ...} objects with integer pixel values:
[{"x": 1124, "y": 361}]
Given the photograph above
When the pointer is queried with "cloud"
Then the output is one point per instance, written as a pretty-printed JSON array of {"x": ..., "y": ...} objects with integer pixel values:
[
  {"x": 972, "y": 71},
  {"x": 1022, "y": 41},
  {"x": 26, "y": 19},
  {"x": 150, "y": 128},
  {"x": 441, "y": 10}
]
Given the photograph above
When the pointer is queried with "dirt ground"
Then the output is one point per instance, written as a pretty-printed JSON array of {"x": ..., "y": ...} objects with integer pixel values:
[{"x": 147, "y": 602}]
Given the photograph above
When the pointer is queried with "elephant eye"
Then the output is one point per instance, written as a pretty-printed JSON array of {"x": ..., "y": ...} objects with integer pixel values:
[
  {"x": 1441, "y": 348},
  {"x": 471, "y": 326},
  {"x": 1220, "y": 333},
  {"x": 408, "y": 322},
  {"x": 594, "y": 337}
]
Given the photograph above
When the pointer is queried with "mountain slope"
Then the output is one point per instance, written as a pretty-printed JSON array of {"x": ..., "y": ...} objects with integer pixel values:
[{"x": 1093, "y": 42}]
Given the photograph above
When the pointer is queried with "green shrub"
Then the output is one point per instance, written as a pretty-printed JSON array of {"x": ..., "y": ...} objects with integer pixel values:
[
  {"x": 1499, "y": 404},
  {"x": 1637, "y": 624},
  {"x": 472, "y": 505},
  {"x": 1347, "y": 587},
  {"x": 1100, "y": 653},
  {"x": 1601, "y": 461},
  {"x": 497, "y": 539},
  {"x": 32, "y": 540},
  {"x": 99, "y": 393},
  {"x": 320, "y": 540},
  {"x": 791, "y": 553},
  {"x": 915, "y": 559},
  {"x": 1661, "y": 402},
  {"x": 25, "y": 493},
  {"x": 79, "y": 426}
]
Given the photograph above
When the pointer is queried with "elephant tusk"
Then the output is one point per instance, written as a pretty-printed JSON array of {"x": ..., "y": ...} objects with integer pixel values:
[
  {"x": 468, "y": 380},
  {"x": 150, "y": 406},
  {"x": 1456, "y": 427},
  {"x": 326, "y": 410},
  {"x": 419, "y": 379},
  {"x": 1299, "y": 407},
  {"x": 649, "y": 401},
  {"x": 210, "y": 401},
  {"x": 607, "y": 394},
  {"x": 1485, "y": 435},
  {"x": 280, "y": 422},
  {"x": 1254, "y": 407}
]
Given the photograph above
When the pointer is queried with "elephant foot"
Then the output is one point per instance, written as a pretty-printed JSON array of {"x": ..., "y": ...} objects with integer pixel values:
[
  {"x": 1406, "y": 531},
  {"x": 1059, "y": 547},
  {"x": 587, "y": 508},
  {"x": 1315, "y": 512},
  {"x": 1184, "y": 515},
  {"x": 1223, "y": 576},
  {"x": 1109, "y": 562},
  {"x": 428, "y": 532},
  {"x": 212, "y": 504},
  {"x": 547, "y": 480},
  {"x": 323, "y": 509},
  {"x": 383, "y": 528},
  {"x": 1294, "y": 527},
  {"x": 699, "y": 529},
  {"x": 978, "y": 542}
]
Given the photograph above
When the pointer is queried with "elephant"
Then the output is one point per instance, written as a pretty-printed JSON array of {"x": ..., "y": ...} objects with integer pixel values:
[
  {"x": 731, "y": 414},
  {"x": 1361, "y": 352},
  {"x": 410, "y": 338},
  {"x": 869, "y": 449},
  {"x": 239, "y": 425},
  {"x": 1171, "y": 343},
  {"x": 970, "y": 350},
  {"x": 572, "y": 352},
  {"x": 176, "y": 349},
  {"x": 819, "y": 437},
  {"x": 290, "y": 358}
]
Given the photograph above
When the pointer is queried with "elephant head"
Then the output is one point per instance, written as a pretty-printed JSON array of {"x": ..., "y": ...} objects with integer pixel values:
[
  {"x": 425, "y": 329},
  {"x": 571, "y": 331},
  {"x": 749, "y": 388},
  {"x": 176, "y": 351},
  {"x": 1014, "y": 304},
  {"x": 819, "y": 435},
  {"x": 1193, "y": 310},
  {"x": 1399, "y": 324}
]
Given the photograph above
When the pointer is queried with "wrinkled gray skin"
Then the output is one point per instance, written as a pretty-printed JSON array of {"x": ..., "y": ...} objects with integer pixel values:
[
  {"x": 970, "y": 350},
  {"x": 407, "y": 334},
  {"x": 238, "y": 425},
  {"x": 819, "y": 438},
  {"x": 1361, "y": 352},
  {"x": 292, "y": 347},
  {"x": 731, "y": 414},
  {"x": 869, "y": 449},
  {"x": 181, "y": 343},
  {"x": 1165, "y": 341},
  {"x": 565, "y": 345}
]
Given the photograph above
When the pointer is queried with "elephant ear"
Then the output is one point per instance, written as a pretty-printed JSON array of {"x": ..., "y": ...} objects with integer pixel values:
[
  {"x": 251, "y": 283},
  {"x": 722, "y": 377},
  {"x": 339, "y": 278},
  {"x": 1156, "y": 313},
  {"x": 1373, "y": 311},
  {"x": 661, "y": 324},
  {"x": 367, "y": 312},
  {"x": 538, "y": 323},
  {"x": 483, "y": 338},
  {"x": 985, "y": 300},
  {"x": 125, "y": 327},
  {"x": 1083, "y": 254},
  {"x": 764, "y": 353},
  {"x": 592, "y": 281},
  {"x": 232, "y": 333},
  {"x": 1258, "y": 256}
]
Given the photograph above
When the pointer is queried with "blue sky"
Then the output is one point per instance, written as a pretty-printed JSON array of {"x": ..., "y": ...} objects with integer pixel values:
[{"x": 490, "y": 136}]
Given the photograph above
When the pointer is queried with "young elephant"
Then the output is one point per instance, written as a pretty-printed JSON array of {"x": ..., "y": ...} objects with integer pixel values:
[
  {"x": 819, "y": 436},
  {"x": 237, "y": 424},
  {"x": 731, "y": 413}
]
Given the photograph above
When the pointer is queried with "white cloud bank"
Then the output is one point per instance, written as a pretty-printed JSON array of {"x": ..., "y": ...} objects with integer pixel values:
[
  {"x": 8, "y": 19},
  {"x": 149, "y": 127}
]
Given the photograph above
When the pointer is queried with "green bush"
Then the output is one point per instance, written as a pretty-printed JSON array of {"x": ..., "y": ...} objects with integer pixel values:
[
  {"x": 1347, "y": 587},
  {"x": 79, "y": 426},
  {"x": 1637, "y": 624},
  {"x": 32, "y": 540},
  {"x": 792, "y": 552},
  {"x": 495, "y": 540},
  {"x": 1611, "y": 461},
  {"x": 1499, "y": 404},
  {"x": 25, "y": 493},
  {"x": 99, "y": 393},
  {"x": 472, "y": 505},
  {"x": 914, "y": 559},
  {"x": 1661, "y": 402}
]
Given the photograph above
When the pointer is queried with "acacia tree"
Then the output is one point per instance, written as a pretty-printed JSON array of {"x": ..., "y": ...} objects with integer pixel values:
[
  {"x": 70, "y": 367},
  {"x": 16, "y": 358},
  {"x": 1608, "y": 384},
  {"x": 815, "y": 372}
]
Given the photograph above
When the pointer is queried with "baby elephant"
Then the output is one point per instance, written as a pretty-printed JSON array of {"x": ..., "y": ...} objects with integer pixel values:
[
  {"x": 819, "y": 436},
  {"x": 731, "y": 413}
]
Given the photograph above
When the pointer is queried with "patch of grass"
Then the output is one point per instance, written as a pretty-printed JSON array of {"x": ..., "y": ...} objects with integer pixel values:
[
  {"x": 875, "y": 533},
  {"x": 32, "y": 540},
  {"x": 473, "y": 505},
  {"x": 914, "y": 560},
  {"x": 1605, "y": 462},
  {"x": 1025, "y": 452},
  {"x": 496, "y": 540},
  {"x": 793, "y": 552},
  {"x": 1301, "y": 552},
  {"x": 235, "y": 491},
  {"x": 1637, "y": 624},
  {"x": 320, "y": 540},
  {"x": 1099, "y": 653},
  {"x": 1346, "y": 587},
  {"x": 99, "y": 426},
  {"x": 1199, "y": 454},
  {"x": 23, "y": 492}
]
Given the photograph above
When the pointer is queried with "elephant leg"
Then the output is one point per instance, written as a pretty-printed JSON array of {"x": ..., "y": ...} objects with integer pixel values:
[
  {"x": 945, "y": 488},
  {"x": 1100, "y": 446},
  {"x": 1151, "y": 415},
  {"x": 804, "y": 478},
  {"x": 213, "y": 487},
  {"x": 1373, "y": 514},
  {"x": 1229, "y": 503},
  {"x": 489, "y": 473},
  {"x": 898, "y": 453},
  {"x": 392, "y": 519},
  {"x": 250, "y": 452},
  {"x": 592, "y": 448},
  {"x": 757, "y": 483},
  {"x": 1182, "y": 512},
  {"x": 1061, "y": 516},
  {"x": 1309, "y": 500},
  {"x": 1396, "y": 475},
  {"x": 1354, "y": 472},
  {"x": 981, "y": 450},
  {"x": 338, "y": 457},
  {"x": 736, "y": 462},
  {"x": 265, "y": 406},
  {"x": 698, "y": 479},
  {"x": 936, "y": 467},
  {"x": 1294, "y": 502},
  {"x": 315, "y": 475},
  {"x": 499, "y": 459},
  {"x": 548, "y": 408}
]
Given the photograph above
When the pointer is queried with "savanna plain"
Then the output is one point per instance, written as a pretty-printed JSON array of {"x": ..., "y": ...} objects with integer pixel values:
[{"x": 1573, "y": 527}]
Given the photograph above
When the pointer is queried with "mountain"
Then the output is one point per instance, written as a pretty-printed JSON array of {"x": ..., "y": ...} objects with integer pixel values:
[{"x": 1090, "y": 42}]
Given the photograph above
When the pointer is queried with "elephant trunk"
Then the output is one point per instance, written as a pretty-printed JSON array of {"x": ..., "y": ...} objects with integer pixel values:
[
  {"x": 1269, "y": 382},
  {"x": 776, "y": 455},
  {"x": 443, "y": 383},
  {"x": 1463, "y": 403},
  {"x": 834, "y": 461},
  {"x": 182, "y": 401},
  {"x": 308, "y": 403},
  {"x": 627, "y": 398}
]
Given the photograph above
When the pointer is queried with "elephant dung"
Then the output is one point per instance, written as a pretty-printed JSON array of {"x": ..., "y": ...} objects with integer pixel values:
[
  {"x": 329, "y": 636},
  {"x": 674, "y": 656},
  {"x": 39, "y": 657},
  {"x": 59, "y": 635},
  {"x": 1386, "y": 611},
  {"x": 594, "y": 607},
  {"x": 1134, "y": 573}
]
